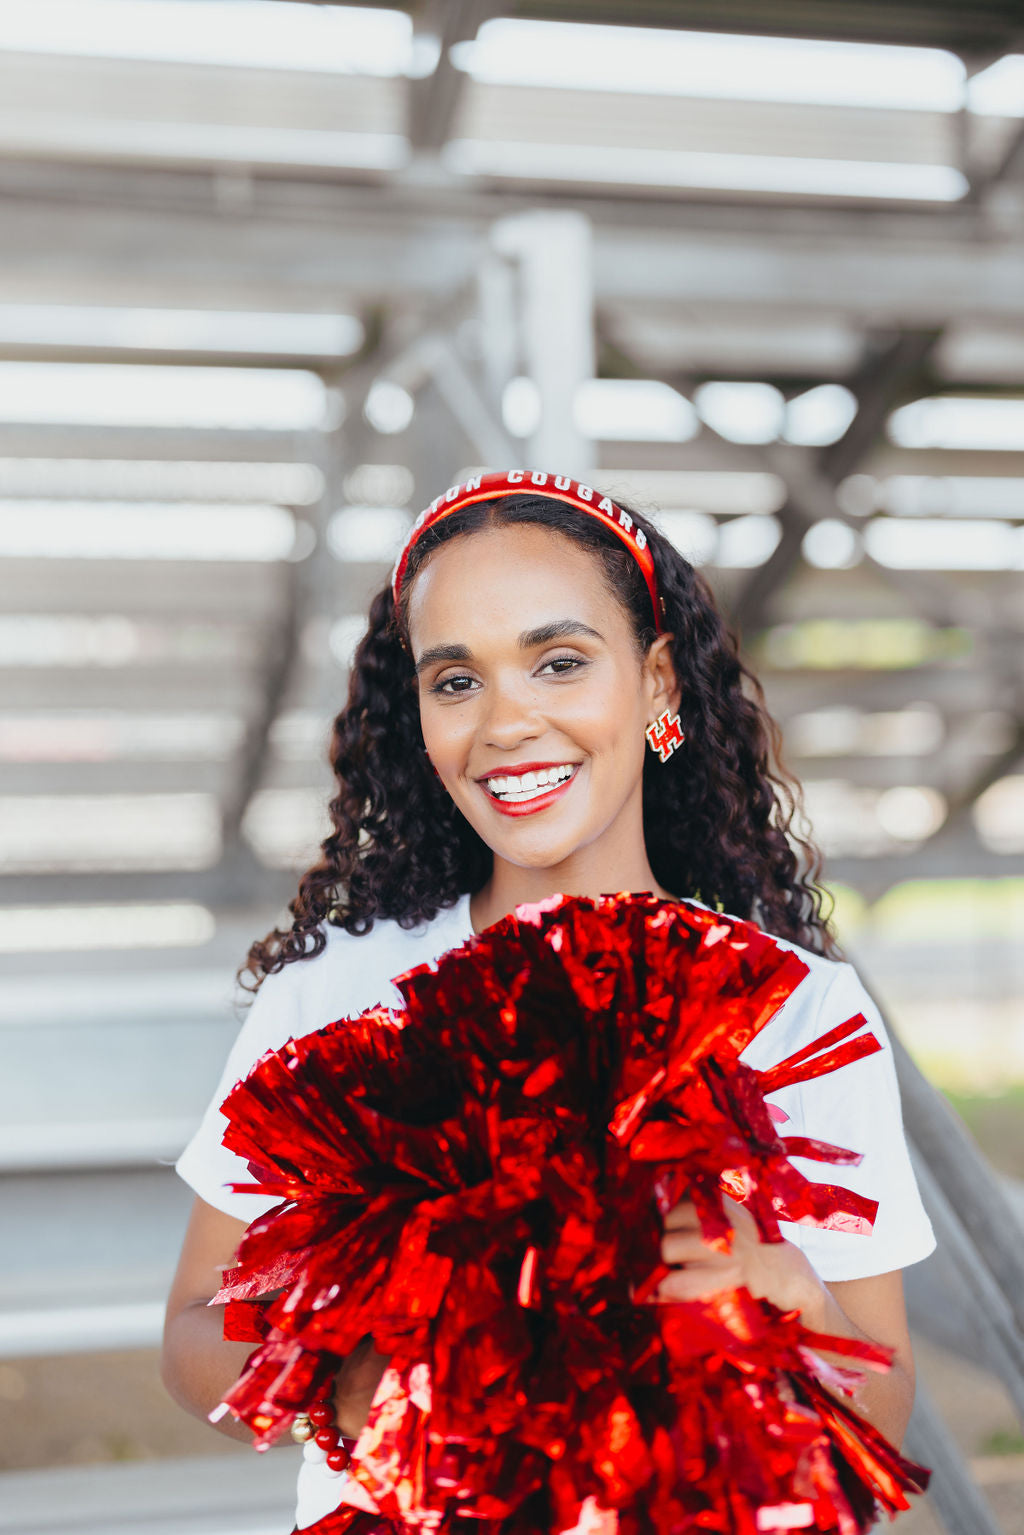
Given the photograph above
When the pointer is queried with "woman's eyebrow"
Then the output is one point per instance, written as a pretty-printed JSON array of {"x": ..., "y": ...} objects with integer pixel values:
[
  {"x": 442, "y": 653},
  {"x": 559, "y": 629}
]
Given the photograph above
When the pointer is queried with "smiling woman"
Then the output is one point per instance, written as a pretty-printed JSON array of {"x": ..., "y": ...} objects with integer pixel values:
[
  {"x": 535, "y": 640},
  {"x": 505, "y": 708},
  {"x": 470, "y": 644}
]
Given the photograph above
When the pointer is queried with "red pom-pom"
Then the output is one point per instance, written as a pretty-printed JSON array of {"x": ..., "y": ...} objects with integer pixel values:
[{"x": 478, "y": 1183}]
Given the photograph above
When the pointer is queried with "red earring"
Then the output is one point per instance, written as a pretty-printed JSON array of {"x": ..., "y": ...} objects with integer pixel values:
[{"x": 664, "y": 734}]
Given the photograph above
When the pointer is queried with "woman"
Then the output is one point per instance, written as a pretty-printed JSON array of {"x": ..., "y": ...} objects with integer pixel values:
[{"x": 547, "y": 700}]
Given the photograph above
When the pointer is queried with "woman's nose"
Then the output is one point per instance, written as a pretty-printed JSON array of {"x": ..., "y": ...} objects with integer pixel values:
[{"x": 511, "y": 715}]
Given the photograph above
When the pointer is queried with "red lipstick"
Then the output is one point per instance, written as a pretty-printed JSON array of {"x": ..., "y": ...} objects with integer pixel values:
[
  {"x": 514, "y": 769},
  {"x": 541, "y": 802}
]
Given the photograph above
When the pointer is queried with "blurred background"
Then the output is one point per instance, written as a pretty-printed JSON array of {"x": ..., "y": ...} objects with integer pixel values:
[{"x": 272, "y": 275}]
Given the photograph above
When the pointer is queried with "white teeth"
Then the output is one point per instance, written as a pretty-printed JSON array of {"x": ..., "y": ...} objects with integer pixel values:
[{"x": 529, "y": 785}]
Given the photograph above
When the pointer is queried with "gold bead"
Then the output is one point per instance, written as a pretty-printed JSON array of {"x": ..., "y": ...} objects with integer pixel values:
[{"x": 302, "y": 1429}]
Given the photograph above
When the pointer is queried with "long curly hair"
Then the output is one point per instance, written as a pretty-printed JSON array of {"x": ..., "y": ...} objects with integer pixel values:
[{"x": 718, "y": 816}]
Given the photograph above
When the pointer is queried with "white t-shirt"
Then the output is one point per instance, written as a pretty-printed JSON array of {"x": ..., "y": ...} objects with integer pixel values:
[{"x": 857, "y": 1107}]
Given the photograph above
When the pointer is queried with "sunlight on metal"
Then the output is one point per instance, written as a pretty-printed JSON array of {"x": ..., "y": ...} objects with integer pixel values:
[
  {"x": 729, "y": 491},
  {"x": 358, "y": 534},
  {"x": 972, "y": 351},
  {"x": 849, "y": 819},
  {"x": 239, "y": 147},
  {"x": 75, "y": 1329},
  {"x": 424, "y": 56},
  {"x": 694, "y": 534},
  {"x": 102, "y": 1143},
  {"x": 81, "y": 479},
  {"x": 344, "y": 635},
  {"x": 92, "y": 735},
  {"x": 586, "y": 56},
  {"x": 257, "y": 34},
  {"x": 112, "y": 640},
  {"x": 705, "y": 170},
  {"x": 149, "y": 925},
  {"x": 379, "y": 485},
  {"x": 744, "y": 542},
  {"x": 68, "y": 639},
  {"x": 999, "y": 815},
  {"x": 819, "y": 416},
  {"x": 998, "y": 91},
  {"x": 140, "y": 530},
  {"x": 832, "y": 545},
  {"x": 44, "y": 832},
  {"x": 123, "y": 994},
  {"x": 389, "y": 408},
  {"x": 920, "y": 495},
  {"x": 741, "y": 412},
  {"x": 911, "y": 812},
  {"x": 927, "y": 543},
  {"x": 179, "y": 330},
  {"x": 633, "y": 410},
  {"x": 959, "y": 421},
  {"x": 140, "y": 394},
  {"x": 300, "y": 735},
  {"x": 284, "y": 827},
  {"x": 857, "y": 495},
  {"x": 915, "y": 731},
  {"x": 520, "y": 406}
]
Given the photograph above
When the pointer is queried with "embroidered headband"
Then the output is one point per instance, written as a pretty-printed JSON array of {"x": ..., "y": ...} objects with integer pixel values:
[{"x": 487, "y": 487}]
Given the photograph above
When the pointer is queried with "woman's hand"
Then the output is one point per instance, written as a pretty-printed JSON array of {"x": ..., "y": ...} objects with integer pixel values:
[
  {"x": 870, "y": 1309},
  {"x": 356, "y": 1385},
  {"x": 773, "y": 1271}
]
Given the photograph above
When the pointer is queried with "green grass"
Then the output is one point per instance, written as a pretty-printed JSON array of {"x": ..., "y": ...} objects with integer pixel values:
[
  {"x": 1005, "y": 1441},
  {"x": 997, "y": 1123}
]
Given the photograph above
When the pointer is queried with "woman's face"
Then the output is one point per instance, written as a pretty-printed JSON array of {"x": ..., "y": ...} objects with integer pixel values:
[{"x": 526, "y": 663}]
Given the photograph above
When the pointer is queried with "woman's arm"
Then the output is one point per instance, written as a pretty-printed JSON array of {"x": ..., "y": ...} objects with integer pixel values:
[
  {"x": 874, "y": 1309},
  {"x": 198, "y": 1365},
  {"x": 870, "y": 1309}
]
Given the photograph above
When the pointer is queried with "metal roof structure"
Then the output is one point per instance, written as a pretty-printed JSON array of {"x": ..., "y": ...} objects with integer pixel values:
[{"x": 349, "y": 228}]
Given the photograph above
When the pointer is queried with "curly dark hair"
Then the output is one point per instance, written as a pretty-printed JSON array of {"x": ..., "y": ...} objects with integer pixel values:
[{"x": 717, "y": 817}]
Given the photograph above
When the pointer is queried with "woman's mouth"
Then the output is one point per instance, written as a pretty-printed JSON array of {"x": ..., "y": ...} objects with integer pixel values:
[{"x": 521, "y": 794}]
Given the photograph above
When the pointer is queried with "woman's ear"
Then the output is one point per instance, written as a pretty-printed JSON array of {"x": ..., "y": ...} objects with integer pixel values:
[{"x": 661, "y": 675}]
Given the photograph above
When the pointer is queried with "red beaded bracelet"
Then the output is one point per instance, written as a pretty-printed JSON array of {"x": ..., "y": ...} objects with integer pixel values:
[{"x": 318, "y": 1423}]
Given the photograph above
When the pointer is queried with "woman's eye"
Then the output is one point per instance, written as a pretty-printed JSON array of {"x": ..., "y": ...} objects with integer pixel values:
[
  {"x": 566, "y": 661},
  {"x": 442, "y": 687},
  {"x": 461, "y": 683}
]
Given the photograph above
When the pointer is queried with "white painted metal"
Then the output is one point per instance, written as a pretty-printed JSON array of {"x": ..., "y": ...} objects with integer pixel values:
[{"x": 552, "y": 254}]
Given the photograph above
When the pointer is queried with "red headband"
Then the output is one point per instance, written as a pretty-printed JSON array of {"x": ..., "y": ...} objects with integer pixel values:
[{"x": 558, "y": 487}]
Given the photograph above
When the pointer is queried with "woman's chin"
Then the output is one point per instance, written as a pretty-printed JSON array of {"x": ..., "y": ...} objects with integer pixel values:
[{"x": 543, "y": 853}]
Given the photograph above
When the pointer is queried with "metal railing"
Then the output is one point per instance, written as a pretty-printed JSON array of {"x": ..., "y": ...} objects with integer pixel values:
[{"x": 982, "y": 1237}]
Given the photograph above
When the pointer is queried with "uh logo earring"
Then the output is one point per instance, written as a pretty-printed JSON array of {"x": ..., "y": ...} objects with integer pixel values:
[{"x": 664, "y": 734}]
